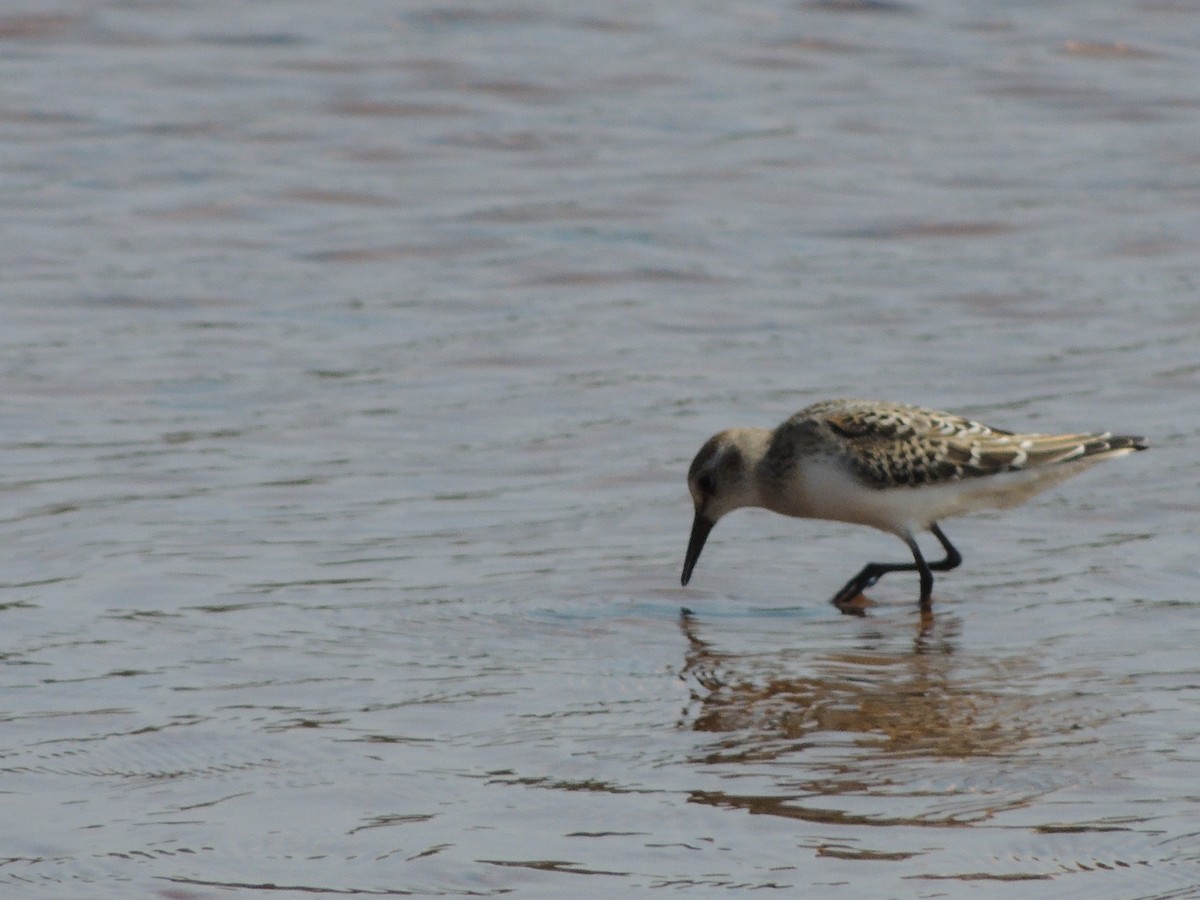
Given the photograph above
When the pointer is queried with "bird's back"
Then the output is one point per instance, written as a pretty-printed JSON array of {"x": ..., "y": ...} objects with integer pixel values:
[{"x": 888, "y": 445}]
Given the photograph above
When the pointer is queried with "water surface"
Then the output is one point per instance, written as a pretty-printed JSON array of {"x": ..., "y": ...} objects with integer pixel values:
[{"x": 353, "y": 359}]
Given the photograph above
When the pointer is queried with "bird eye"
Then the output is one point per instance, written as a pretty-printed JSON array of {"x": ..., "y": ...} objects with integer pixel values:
[{"x": 705, "y": 483}]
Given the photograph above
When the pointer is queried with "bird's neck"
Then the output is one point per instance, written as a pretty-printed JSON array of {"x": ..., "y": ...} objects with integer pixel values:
[{"x": 752, "y": 443}]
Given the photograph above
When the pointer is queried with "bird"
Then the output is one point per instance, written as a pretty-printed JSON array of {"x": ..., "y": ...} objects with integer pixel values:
[{"x": 895, "y": 467}]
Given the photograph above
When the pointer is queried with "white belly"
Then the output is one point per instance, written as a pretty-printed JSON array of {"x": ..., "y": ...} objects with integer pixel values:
[{"x": 825, "y": 490}]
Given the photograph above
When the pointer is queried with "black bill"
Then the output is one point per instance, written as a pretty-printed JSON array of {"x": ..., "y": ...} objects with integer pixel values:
[{"x": 701, "y": 526}]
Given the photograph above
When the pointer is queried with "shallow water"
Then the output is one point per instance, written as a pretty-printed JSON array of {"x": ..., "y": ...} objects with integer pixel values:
[{"x": 354, "y": 356}]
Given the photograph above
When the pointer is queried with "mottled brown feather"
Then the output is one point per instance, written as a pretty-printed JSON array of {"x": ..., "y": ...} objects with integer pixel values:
[{"x": 893, "y": 445}]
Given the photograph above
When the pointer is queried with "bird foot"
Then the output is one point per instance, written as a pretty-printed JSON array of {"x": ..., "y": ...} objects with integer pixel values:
[{"x": 853, "y": 606}]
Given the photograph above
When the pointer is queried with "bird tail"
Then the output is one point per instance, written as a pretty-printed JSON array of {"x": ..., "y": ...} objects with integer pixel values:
[{"x": 1114, "y": 444}]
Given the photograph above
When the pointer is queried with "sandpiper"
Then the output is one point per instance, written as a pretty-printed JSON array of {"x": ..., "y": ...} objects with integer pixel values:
[{"x": 894, "y": 467}]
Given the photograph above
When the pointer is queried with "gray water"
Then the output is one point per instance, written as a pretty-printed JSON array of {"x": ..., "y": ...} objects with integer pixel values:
[{"x": 353, "y": 357}]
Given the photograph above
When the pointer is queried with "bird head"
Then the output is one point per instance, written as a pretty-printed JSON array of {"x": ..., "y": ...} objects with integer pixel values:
[{"x": 721, "y": 479}]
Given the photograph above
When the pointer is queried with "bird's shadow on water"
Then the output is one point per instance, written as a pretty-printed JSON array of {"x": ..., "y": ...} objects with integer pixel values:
[{"x": 861, "y": 716}]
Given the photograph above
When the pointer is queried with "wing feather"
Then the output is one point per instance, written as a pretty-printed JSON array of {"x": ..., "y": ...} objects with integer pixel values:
[{"x": 892, "y": 445}]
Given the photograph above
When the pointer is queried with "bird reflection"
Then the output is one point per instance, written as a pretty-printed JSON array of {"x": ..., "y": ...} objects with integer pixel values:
[
  {"x": 802, "y": 731},
  {"x": 923, "y": 699}
]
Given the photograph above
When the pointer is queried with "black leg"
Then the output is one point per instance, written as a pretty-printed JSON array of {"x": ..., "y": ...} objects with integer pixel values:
[
  {"x": 926, "y": 600},
  {"x": 872, "y": 572},
  {"x": 953, "y": 557}
]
